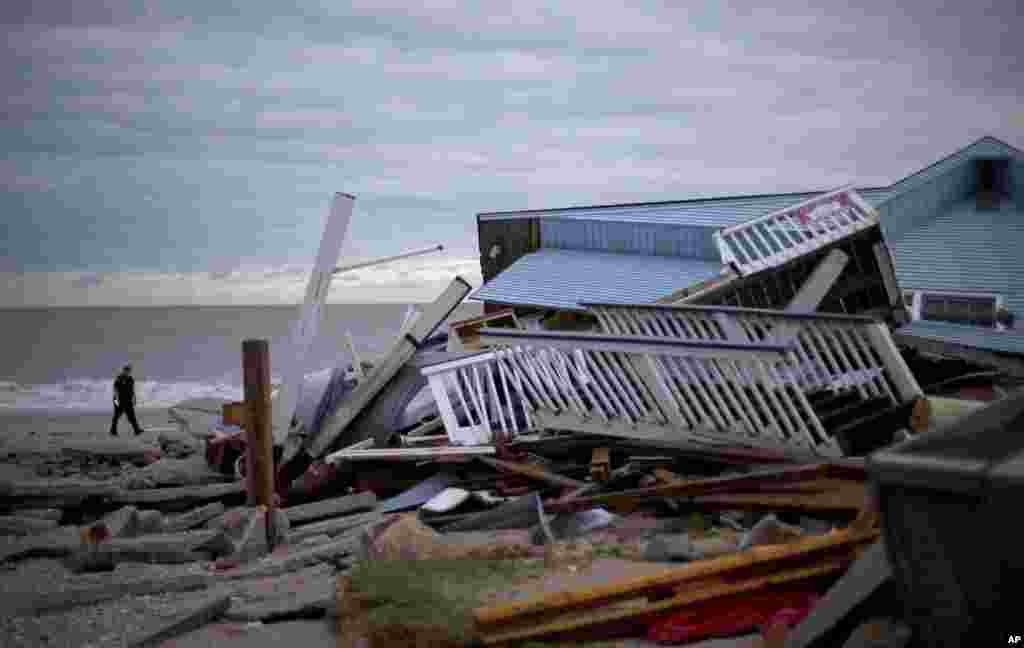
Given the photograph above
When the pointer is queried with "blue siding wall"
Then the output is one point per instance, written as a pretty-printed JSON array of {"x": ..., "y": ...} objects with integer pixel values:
[
  {"x": 917, "y": 206},
  {"x": 1017, "y": 180},
  {"x": 685, "y": 241}
]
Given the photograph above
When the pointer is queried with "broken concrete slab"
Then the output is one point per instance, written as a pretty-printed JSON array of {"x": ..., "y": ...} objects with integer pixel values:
[
  {"x": 170, "y": 472},
  {"x": 184, "y": 496},
  {"x": 308, "y": 634},
  {"x": 52, "y": 544},
  {"x": 284, "y": 559},
  {"x": 304, "y": 594},
  {"x": 195, "y": 617},
  {"x": 333, "y": 526},
  {"x": 76, "y": 595},
  {"x": 253, "y": 538},
  {"x": 149, "y": 522},
  {"x": 330, "y": 508},
  {"x": 122, "y": 523},
  {"x": 21, "y": 526},
  {"x": 54, "y": 514},
  {"x": 177, "y": 548},
  {"x": 194, "y": 518},
  {"x": 129, "y": 450}
]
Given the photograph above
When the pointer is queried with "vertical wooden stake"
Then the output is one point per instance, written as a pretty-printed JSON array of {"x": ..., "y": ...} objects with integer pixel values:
[{"x": 259, "y": 447}]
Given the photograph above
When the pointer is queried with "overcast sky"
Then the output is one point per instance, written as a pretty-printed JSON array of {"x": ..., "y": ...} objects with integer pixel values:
[{"x": 186, "y": 151}]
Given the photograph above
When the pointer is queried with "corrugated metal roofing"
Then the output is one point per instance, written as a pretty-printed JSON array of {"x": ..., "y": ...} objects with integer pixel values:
[
  {"x": 969, "y": 336},
  {"x": 562, "y": 278},
  {"x": 966, "y": 249},
  {"x": 710, "y": 212}
]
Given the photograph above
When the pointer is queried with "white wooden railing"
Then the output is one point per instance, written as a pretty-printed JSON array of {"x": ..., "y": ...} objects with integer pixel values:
[
  {"x": 831, "y": 351},
  {"x": 773, "y": 239},
  {"x": 709, "y": 392}
]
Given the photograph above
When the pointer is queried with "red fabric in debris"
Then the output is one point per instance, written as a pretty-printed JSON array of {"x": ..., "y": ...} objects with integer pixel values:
[
  {"x": 733, "y": 616},
  {"x": 217, "y": 449}
]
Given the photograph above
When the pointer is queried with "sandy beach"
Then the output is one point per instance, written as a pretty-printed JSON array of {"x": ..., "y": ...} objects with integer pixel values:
[{"x": 28, "y": 433}]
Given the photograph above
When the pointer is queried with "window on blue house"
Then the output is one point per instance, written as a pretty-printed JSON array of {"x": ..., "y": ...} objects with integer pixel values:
[{"x": 959, "y": 309}]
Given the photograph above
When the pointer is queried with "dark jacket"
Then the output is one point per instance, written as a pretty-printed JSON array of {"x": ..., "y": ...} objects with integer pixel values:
[{"x": 124, "y": 390}]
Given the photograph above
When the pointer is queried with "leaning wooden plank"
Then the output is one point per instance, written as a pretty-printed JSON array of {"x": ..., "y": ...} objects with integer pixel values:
[
  {"x": 333, "y": 527},
  {"x": 20, "y": 526},
  {"x": 178, "y": 495},
  {"x": 330, "y": 508},
  {"x": 192, "y": 619},
  {"x": 356, "y": 401},
  {"x": 804, "y": 549},
  {"x": 604, "y": 623},
  {"x": 292, "y": 364},
  {"x": 535, "y": 473},
  {"x": 193, "y": 518}
]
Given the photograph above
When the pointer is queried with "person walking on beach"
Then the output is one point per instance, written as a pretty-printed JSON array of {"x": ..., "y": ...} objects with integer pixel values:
[{"x": 124, "y": 400}]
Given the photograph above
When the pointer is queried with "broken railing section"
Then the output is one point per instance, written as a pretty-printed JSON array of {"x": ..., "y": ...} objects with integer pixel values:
[
  {"x": 829, "y": 351},
  {"x": 781, "y": 236},
  {"x": 705, "y": 392},
  {"x": 708, "y": 375}
]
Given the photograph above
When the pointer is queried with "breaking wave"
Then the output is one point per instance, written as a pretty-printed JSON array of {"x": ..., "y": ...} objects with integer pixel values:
[{"x": 89, "y": 394}]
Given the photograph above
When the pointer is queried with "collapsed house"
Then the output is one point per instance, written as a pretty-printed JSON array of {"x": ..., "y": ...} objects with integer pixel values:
[{"x": 943, "y": 247}]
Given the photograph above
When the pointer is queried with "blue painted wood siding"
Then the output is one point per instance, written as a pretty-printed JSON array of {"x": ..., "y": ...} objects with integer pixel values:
[
  {"x": 916, "y": 207},
  {"x": 683, "y": 241}
]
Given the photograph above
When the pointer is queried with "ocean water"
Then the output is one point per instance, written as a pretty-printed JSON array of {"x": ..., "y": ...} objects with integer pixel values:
[{"x": 65, "y": 359}]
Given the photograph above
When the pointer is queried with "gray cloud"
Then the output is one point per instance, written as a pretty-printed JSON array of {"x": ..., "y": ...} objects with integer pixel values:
[{"x": 197, "y": 135}]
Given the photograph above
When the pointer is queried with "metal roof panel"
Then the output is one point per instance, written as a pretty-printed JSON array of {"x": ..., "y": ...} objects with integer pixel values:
[{"x": 556, "y": 278}]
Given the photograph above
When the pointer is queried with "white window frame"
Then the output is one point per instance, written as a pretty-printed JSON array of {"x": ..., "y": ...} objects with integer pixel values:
[{"x": 918, "y": 303}]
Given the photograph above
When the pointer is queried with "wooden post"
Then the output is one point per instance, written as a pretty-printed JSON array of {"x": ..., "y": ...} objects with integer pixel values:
[{"x": 259, "y": 448}]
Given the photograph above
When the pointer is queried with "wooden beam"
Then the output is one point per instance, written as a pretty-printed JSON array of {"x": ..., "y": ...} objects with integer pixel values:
[
  {"x": 763, "y": 480},
  {"x": 888, "y": 272},
  {"x": 820, "y": 281},
  {"x": 814, "y": 551},
  {"x": 330, "y": 508},
  {"x": 896, "y": 367},
  {"x": 259, "y": 446},
  {"x": 600, "y": 464},
  {"x": 532, "y": 472},
  {"x": 604, "y": 624}
]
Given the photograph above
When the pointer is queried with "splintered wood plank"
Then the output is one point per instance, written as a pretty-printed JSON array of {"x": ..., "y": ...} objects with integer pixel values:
[
  {"x": 815, "y": 549},
  {"x": 574, "y": 624}
]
